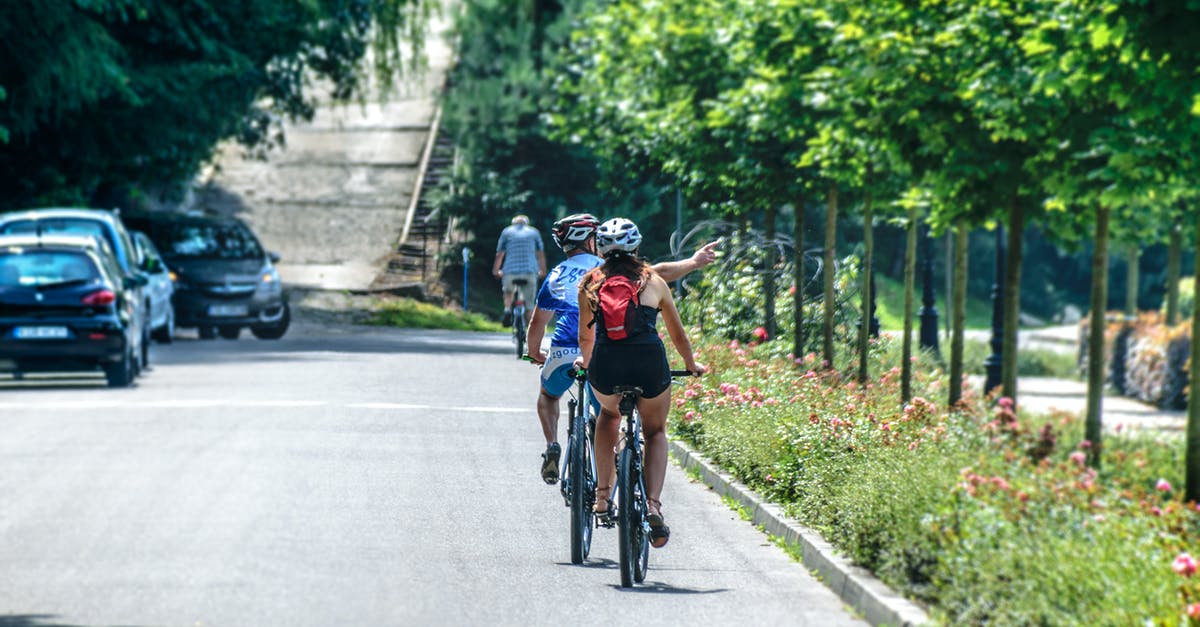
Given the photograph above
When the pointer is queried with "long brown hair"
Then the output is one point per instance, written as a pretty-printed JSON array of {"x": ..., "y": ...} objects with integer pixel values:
[{"x": 615, "y": 262}]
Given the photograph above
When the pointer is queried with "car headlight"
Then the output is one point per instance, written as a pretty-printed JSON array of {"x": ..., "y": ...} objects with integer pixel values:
[{"x": 269, "y": 281}]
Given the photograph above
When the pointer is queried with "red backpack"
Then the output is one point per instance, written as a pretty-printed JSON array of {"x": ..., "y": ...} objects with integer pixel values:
[{"x": 618, "y": 307}]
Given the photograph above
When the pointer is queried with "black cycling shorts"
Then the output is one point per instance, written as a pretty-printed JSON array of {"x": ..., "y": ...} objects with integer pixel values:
[{"x": 644, "y": 365}]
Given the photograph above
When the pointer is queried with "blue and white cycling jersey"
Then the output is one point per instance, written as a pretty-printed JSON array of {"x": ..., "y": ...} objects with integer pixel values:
[{"x": 560, "y": 294}]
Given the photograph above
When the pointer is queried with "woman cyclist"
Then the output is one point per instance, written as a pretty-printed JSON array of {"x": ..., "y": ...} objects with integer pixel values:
[{"x": 638, "y": 359}]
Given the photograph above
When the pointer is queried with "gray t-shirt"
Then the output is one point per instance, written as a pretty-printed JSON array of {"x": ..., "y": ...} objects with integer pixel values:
[{"x": 519, "y": 243}]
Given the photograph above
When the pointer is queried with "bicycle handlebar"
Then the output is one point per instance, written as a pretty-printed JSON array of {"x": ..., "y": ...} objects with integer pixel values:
[{"x": 683, "y": 373}]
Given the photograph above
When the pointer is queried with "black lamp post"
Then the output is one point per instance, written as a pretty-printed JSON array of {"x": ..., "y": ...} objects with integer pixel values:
[
  {"x": 928, "y": 313},
  {"x": 994, "y": 361}
]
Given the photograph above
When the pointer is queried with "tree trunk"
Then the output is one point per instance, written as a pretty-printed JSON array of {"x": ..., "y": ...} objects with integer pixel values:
[
  {"x": 864, "y": 327},
  {"x": 769, "y": 276},
  {"x": 1131, "y": 281},
  {"x": 830, "y": 297},
  {"x": 958, "y": 311},
  {"x": 798, "y": 276},
  {"x": 1012, "y": 299},
  {"x": 1096, "y": 323},
  {"x": 910, "y": 280},
  {"x": 1192, "y": 490},
  {"x": 1174, "y": 260}
]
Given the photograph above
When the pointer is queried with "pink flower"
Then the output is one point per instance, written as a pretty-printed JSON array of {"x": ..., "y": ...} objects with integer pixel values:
[
  {"x": 690, "y": 416},
  {"x": 1163, "y": 485},
  {"x": 1193, "y": 610},
  {"x": 1184, "y": 564},
  {"x": 760, "y": 333},
  {"x": 887, "y": 426},
  {"x": 1079, "y": 458},
  {"x": 1005, "y": 402},
  {"x": 689, "y": 393}
]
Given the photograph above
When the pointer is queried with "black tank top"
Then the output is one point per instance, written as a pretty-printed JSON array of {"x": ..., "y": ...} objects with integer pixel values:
[{"x": 644, "y": 332}]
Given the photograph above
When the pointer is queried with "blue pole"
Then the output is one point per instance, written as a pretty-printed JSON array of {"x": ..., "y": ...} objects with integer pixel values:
[{"x": 466, "y": 253}]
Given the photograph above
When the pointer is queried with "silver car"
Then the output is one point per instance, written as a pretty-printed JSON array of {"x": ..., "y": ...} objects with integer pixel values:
[{"x": 160, "y": 288}]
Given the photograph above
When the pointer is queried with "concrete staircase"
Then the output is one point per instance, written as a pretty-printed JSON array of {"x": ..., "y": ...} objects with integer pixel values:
[{"x": 342, "y": 203}]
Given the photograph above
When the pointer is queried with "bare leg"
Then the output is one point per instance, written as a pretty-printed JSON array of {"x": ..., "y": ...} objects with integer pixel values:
[
  {"x": 608, "y": 428},
  {"x": 654, "y": 422},
  {"x": 547, "y": 408}
]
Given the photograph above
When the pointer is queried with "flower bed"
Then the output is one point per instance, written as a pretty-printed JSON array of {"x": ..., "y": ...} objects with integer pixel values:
[{"x": 988, "y": 516}]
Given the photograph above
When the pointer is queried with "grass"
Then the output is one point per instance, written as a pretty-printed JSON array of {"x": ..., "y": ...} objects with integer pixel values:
[
  {"x": 889, "y": 306},
  {"x": 414, "y": 314}
]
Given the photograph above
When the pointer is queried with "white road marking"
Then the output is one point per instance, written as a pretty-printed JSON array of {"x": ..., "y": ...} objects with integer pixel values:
[{"x": 208, "y": 403}]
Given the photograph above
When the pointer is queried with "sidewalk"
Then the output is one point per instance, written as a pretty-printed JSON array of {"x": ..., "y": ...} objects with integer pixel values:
[{"x": 1043, "y": 394}]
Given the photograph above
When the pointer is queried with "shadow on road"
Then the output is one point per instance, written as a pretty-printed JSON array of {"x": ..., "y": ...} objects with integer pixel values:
[
  {"x": 32, "y": 620},
  {"x": 658, "y": 587}
]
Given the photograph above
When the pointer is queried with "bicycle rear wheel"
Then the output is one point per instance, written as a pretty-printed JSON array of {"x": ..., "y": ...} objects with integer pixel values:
[
  {"x": 578, "y": 474},
  {"x": 629, "y": 525}
]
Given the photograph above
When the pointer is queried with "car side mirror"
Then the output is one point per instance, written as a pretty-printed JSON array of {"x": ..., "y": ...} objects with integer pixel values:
[
  {"x": 137, "y": 280},
  {"x": 274, "y": 257},
  {"x": 152, "y": 265}
]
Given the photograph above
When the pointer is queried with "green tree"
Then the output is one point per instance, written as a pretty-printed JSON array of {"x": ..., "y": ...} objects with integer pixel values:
[{"x": 111, "y": 96}]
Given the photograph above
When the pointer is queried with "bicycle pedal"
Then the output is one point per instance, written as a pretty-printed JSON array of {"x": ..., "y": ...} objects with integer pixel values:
[{"x": 605, "y": 519}]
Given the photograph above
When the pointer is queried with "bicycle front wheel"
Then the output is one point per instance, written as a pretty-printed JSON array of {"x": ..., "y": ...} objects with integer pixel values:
[
  {"x": 632, "y": 541},
  {"x": 578, "y": 473}
]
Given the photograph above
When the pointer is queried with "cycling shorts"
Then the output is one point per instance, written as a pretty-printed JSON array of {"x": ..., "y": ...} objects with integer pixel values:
[
  {"x": 556, "y": 373},
  {"x": 643, "y": 365}
]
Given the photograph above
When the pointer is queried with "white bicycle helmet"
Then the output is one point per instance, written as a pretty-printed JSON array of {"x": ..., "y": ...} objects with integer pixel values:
[{"x": 618, "y": 234}]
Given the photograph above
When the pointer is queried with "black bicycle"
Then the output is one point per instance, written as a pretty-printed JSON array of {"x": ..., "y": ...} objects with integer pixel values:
[
  {"x": 633, "y": 526},
  {"x": 518, "y": 316},
  {"x": 579, "y": 474}
]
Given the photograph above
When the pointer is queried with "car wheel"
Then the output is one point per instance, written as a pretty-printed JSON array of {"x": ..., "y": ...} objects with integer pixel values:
[
  {"x": 229, "y": 332},
  {"x": 207, "y": 332},
  {"x": 277, "y": 330},
  {"x": 166, "y": 333},
  {"x": 121, "y": 373}
]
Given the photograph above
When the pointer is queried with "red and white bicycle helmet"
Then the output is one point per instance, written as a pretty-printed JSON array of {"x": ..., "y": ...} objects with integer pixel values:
[
  {"x": 618, "y": 234},
  {"x": 573, "y": 230}
]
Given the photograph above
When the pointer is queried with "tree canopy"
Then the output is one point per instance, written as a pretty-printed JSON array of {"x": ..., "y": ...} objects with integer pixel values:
[{"x": 102, "y": 98}]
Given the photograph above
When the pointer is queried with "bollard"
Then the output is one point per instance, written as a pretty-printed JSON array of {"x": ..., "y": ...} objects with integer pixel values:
[{"x": 466, "y": 253}]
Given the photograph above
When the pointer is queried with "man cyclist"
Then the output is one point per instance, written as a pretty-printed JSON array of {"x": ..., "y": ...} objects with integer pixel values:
[
  {"x": 519, "y": 257},
  {"x": 576, "y": 235}
]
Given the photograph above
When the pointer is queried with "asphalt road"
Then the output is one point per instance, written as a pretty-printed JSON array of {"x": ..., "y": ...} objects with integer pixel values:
[{"x": 342, "y": 476}]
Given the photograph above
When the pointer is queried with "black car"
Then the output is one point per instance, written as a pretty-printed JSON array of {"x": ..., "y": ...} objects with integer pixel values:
[
  {"x": 224, "y": 279},
  {"x": 66, "y": 305},
  {"x": 102, "y": 224}
]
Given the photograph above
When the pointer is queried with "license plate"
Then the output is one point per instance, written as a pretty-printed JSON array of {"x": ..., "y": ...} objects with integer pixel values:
[
  {"x": 227, "y": 311},
  {"x": 41, "y": 333}
]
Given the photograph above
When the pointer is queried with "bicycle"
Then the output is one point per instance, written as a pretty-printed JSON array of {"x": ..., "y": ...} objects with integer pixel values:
[
  {"x": 633, "y": 528},
  {"x": 518, "y": 316},
  {"x": 578, "y": 482}
]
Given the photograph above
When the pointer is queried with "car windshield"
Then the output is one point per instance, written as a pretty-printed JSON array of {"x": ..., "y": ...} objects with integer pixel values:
[
  {"x": 45, "y": 268},
  {"x": 80, "y": 226},
  {"x": 208, "y": 241}
]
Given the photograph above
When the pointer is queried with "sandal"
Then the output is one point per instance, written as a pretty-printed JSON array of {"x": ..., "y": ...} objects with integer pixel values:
[
  {"x": 550, "y": 463},
  {"x": 603, "y": 515},
  {"x": 660, "y": 533}
]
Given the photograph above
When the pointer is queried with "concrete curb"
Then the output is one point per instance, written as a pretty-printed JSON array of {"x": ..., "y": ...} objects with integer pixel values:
[{"x": 878, "y": 604}]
